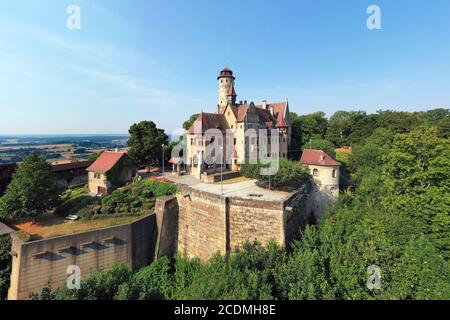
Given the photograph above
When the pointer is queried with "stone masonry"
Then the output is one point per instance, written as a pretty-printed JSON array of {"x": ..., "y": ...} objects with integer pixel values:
[{"x": 204, "y": 224}]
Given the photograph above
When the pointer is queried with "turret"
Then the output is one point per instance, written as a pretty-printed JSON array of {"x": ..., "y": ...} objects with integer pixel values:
[{"x": 227, "y": 93}]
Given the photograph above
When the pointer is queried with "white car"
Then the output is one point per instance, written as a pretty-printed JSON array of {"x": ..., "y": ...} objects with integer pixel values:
[{"x": 72, "y": 217}]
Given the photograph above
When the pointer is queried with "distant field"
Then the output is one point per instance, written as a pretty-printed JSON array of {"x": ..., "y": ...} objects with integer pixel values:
[{"x": 57, "y": 148}]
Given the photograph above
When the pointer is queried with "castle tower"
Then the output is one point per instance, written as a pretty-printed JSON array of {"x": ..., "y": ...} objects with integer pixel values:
[{"x": 227, "y": 93}]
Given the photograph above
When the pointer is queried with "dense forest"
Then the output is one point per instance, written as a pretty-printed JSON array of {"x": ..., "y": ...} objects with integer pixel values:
[{"x": 393, "y": 212}]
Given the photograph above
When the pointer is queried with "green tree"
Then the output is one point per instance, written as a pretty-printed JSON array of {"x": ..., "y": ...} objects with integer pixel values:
[
  {"x": 146, "y": 142},
  {"x": 314, "y": 124},
  {"x": 441, "y": 119},
  {"x": 188, "y": 123},
  {"x": 296, "y": 136},
  {"x": 288, "y": 175},
  {"x": 5, "y": 265},
  {"x": 416, "y": 175},
  {"x": 32, "y": 191},
  {"x": 150, "y": 283},
  {"x": 349, "y": 127},
  {"x": 399, "y": 122},
  {"x": 420, "y": 273},
  {"x": 318, "y": 143}
]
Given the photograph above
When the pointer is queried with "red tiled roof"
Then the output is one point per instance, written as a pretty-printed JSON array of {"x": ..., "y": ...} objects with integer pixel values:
[
  {"x": 279, "y": 110},
  {"x": 105, "y": 161},
  {"x": 266, "y": 117},
  {"x": 232, "y": 92},
  {"x": 278, "y": 119},
  {"x": 206, "y": 121},
  {"x": 318, "y": 158},
  {"x": 344, "y": 150}
]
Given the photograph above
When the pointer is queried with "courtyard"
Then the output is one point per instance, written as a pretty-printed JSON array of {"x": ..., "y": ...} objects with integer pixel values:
[{"x": 240, "y": 187}]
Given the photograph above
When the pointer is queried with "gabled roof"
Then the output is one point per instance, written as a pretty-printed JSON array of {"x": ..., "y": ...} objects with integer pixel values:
[
  {"x": 279, "y": 111},
  {"x": 206, "y": 121},
  {"x": 105, "y": 161},
  {"x": 71, "y": 166},
  {"x": 4, "y": 229},
  {"x": 318, "y": 158}
]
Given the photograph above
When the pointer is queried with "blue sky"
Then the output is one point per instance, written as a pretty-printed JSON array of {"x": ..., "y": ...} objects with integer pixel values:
[{"x": 158, "y": 60}]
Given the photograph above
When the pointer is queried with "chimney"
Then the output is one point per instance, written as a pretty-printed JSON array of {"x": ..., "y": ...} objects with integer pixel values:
[{"x": 264, "y": 104}]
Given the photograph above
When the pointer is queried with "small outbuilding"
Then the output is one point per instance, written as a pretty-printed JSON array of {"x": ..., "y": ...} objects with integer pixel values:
[
  {"x": 325, "y": 172},
  {"x": 111, "y": 170}
]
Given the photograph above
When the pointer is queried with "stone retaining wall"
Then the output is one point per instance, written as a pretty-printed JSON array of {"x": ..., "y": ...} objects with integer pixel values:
[
  {"x": 207, "y": 223},
  {"x": 37, "y": 263}
]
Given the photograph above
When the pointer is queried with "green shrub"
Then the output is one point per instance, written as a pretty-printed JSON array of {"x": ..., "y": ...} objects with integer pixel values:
[
  {"x": 289, "y": 176},
  {"x": 82, "y": 206},
  {"x": 160, "y": 189},
  {"x": 138, "y": 197},
  {"x": 5, "y": 265}
]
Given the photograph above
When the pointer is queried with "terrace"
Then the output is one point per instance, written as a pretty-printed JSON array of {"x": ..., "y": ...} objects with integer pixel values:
[
  {"x": 239, "y": 187},
  {"x": 50, "y": 226}
]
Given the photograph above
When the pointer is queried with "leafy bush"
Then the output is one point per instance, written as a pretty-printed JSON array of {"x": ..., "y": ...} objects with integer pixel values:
[
  {"x": 83, "y": 206},
  {"x": 160, "y": 189},
  {"x": 289, "y": 176},
  {"x": 5, "y": 265},
  {"x": 134, "y": 199}
]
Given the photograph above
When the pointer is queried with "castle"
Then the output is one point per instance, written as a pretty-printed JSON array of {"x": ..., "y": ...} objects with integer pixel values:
[{"x": 233, "y": 120}]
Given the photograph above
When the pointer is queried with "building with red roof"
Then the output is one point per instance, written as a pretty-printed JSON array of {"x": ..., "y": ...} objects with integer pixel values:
[
  {"x": 317, "y": 158},
  {"x": 111, "y": 170},
  {"x": 326, "y": 172},
  {"x": 236, "y": 118}
]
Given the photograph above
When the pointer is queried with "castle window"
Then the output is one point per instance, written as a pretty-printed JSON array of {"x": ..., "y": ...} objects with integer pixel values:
[
  {"x": 333, "y": 174},
  {"x": 228, "y": 112},
  {"x": 315, "y": 173},
  {"x": 192, "y": 142},
  {"x": 235, "y": 141}
]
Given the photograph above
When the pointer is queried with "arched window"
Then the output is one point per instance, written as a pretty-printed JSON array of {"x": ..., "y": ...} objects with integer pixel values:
[
  {"x": 315, "y": 173},
  {"x": 333, "y": 174}
]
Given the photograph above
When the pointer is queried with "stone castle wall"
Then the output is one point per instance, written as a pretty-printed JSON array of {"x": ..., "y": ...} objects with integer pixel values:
[
  {"x": 207, "y": 223},
  {"x": 37, "y": 263}
]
